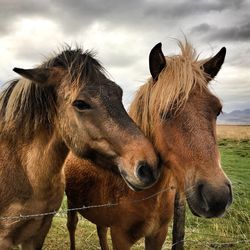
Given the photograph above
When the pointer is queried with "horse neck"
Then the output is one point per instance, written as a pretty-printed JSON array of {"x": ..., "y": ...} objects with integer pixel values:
[{"x": 43, "y": 157}]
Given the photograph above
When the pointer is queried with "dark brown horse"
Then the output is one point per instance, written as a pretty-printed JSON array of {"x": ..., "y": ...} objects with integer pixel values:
[
  {"x": 178, "y": 112},
  {"x": 65, "y": 104}
]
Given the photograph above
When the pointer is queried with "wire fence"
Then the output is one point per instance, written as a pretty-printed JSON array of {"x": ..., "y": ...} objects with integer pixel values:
[
  {"x": 90, "y": 242},
  {"x": 235, "y": 240},
  {"x": 63, "y": 212},
  {"x": 88, "y": 239}
]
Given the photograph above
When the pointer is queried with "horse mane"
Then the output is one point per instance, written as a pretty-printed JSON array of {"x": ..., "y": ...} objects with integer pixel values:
[
  {"x": 168, "y": 96},
  {"x": 26, "y": 106}
]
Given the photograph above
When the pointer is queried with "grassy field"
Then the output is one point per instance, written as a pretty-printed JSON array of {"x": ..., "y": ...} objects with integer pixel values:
[{"x": 230, "y": 232}]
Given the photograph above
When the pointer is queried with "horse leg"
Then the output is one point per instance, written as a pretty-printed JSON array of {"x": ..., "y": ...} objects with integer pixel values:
[
  {"x": 72, "y": 220},
  {"x": 102, "y": 235},
  {"x": 156, "y": 241},
  {"x": 36, "y": 242},
  {"x": 120, "y": 239}
]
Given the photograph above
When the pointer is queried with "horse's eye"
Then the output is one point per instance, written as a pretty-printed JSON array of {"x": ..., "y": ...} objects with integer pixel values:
[
  {"x": 81, "y": 105},
  {"x": 219, "y": 112}
]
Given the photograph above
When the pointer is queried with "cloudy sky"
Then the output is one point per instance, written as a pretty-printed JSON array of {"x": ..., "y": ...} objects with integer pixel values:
[{"x": 123, "y": 33}]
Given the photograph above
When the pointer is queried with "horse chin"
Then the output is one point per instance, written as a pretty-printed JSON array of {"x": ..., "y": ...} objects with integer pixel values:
[{"x": 129, "y": 184}]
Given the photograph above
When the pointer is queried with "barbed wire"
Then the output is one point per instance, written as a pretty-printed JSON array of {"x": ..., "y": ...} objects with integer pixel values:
[
  {"x": 63, "y": 213},
  {"x": 60, "y": 212}
]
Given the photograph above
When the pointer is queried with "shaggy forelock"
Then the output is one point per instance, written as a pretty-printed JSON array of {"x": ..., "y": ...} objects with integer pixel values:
[{"x": 171, "y": 91}]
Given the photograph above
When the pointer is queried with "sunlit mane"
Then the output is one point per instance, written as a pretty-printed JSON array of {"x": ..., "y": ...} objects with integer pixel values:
[
  {"x": 171, "y": 92},
  {"x": 26, "y": 106}
]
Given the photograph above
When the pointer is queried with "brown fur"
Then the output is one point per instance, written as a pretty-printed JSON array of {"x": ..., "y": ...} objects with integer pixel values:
[
  {"x": 40, "y": 123},
  {"x": 178, "y": 112},
  {"x": 132, "y": 218}
]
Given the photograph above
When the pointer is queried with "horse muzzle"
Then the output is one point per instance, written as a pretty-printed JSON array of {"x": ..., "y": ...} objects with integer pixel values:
[
  {"x": 208, "y": 201},
  {"x": 144, "y": 176}
]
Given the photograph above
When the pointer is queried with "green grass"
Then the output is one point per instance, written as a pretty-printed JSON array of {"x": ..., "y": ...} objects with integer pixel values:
[{"x": 230, "y": 232}]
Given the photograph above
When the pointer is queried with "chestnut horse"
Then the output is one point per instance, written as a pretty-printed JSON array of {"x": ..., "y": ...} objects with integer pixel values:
[
  {"x": 176, "y": 110},
  {"x": 67, "y": 103}
]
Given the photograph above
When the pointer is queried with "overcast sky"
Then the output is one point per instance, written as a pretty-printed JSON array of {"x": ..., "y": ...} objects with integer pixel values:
[{"x": 123, "y": 33}]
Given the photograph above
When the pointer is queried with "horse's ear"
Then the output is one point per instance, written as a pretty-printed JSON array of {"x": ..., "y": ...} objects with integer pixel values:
[
  {"x": 157, "y": 61},
  {"x": 212, "y": 67},
  {"x": 43, "y": 76}
]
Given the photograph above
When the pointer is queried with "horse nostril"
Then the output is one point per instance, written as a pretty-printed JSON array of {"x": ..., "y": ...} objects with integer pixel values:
[
  {"x": 200, "y": 187},
  {"x": 230, "y": 199},
  {"x": 202, "y": 197},
  {"x": 145, "y": 173}
]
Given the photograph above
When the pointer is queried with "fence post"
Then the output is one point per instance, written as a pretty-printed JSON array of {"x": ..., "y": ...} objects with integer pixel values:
[{"x": 178, "y": 232}]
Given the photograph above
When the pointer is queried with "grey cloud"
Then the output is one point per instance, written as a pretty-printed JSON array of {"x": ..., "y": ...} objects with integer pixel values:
[
  {"x": 136, "y": 13},
  {"x": 77, "y": 14},
  {"x": 239, "y": 33},
  {"x": 115, "y": 59},
  {"x": 71, "y": 15},
  {"x": 148, "y": 21},
  {"x": 187, "y": 8},
  {"x": 3, "y": 28},
  {"x": 201, "y": 28},
  {"x": 238, "y": 57},
  {"x": 12, "y": 10},
  {"x": 230, "y": 37}
]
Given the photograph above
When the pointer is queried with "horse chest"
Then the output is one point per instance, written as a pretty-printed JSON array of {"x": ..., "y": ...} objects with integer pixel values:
[
  {"x": 156, "y": 216},
  {"x": 154, "y": 222}
]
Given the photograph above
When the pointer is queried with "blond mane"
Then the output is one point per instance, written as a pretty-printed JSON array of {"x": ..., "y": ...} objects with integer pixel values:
[{"x": 171, "y": 92}]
